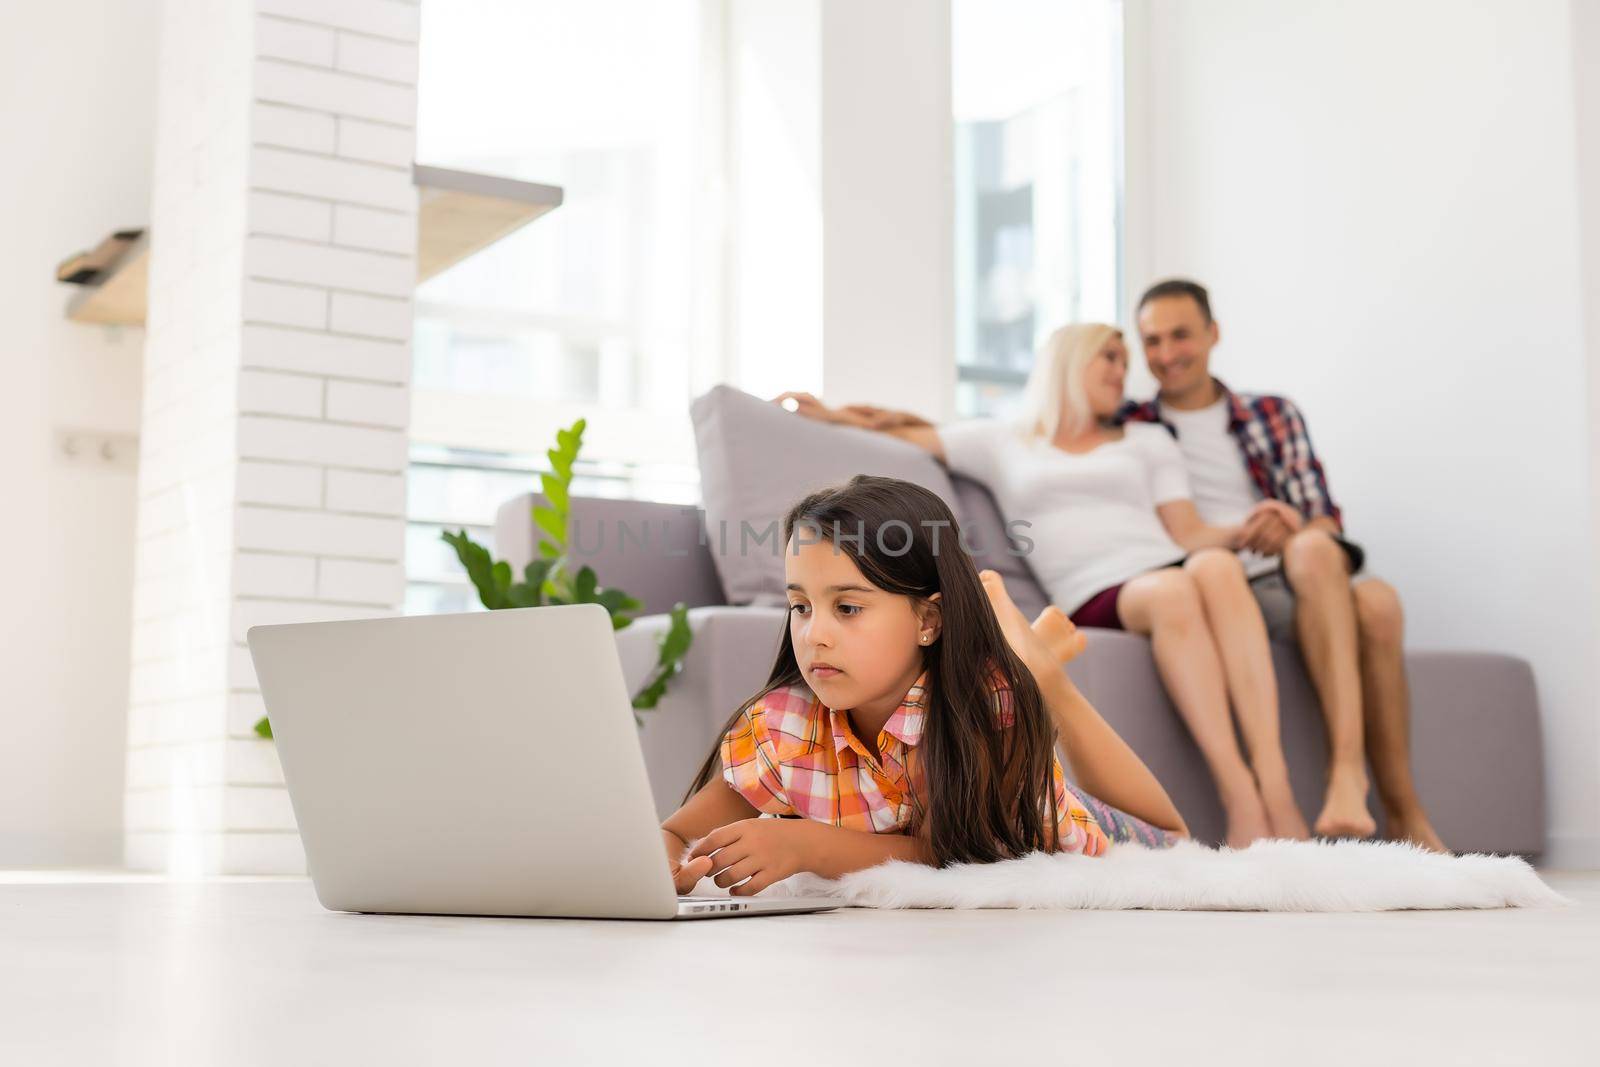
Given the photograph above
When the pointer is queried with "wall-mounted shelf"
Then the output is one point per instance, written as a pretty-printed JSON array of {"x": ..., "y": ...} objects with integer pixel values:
[
  {"x": 118, "y": 300},
  {"x": 459, "y": 214}
]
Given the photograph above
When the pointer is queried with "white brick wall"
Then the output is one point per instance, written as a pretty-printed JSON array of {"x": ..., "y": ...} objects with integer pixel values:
[{"x": 272, "y": 480}]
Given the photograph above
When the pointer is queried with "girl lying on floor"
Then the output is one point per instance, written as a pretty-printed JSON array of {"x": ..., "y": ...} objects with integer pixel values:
[{"x": 912, "y": 714}]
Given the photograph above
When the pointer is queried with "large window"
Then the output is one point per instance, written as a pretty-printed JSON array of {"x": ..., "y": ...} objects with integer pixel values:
[
  {"x": 599, "y": 309},
  {"x": 1037, "y": 96}
]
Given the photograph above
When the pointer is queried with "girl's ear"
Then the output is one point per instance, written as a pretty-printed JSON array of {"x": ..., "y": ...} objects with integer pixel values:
[{"x": 930, "y": 620}]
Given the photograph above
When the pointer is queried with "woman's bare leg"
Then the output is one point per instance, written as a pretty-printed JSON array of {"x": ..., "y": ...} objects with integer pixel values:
[
  {"x": 1166, "y": 605},
  {"x": 1241, "y": 639}
]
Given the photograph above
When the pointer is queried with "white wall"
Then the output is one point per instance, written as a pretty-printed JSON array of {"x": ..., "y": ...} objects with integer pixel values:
[
  {"x": 839, "y": 129},
  {"x": 77, "y": 106},
  {"x": 888, "y": 205},
  {"x": 1586, "y": 78},
  {"x": 277, "y": 400},
  {"x": 1383, "y": 200}
]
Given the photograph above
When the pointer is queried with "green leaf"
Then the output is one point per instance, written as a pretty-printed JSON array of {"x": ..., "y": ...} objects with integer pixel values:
[
  {"x": 561, "y": 464},
  {"x": 676, "y": 641},
  {"x": 501, "y": 573},
  {"x": 651, "y": 695},
  {"x": 617, "y": 602},
  {"x": 583, "y": 586},
  {"x": 548, "y": 550},
  {"x": 537, "y": 571},
  {"x": 670, "y": 652},
  {"x": 523, "y": 595},
  {"x": 479, "y": 567},
  {"x": 264, "y": 728},
  {"x": 552, "y": 524},
  {"x": 555, "y": 491}
]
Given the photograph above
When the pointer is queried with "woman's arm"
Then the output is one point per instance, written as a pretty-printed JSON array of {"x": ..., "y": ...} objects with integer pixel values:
[
  {"x": 1101, "y": 762},
  {"x": 924, "y": 437},
  {"x": 902, "y": 424},
  {"x": 1184, "y": 525}
]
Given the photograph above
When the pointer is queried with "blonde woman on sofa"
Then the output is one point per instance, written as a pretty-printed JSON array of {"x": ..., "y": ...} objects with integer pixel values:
[{"x": 1119, "y": 544}]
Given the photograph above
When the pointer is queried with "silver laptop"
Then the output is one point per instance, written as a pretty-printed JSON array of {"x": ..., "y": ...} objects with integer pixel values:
[{"x": 476, "y": 764}]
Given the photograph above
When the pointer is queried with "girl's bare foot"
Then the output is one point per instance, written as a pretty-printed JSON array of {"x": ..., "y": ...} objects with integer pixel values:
[
  {"x": 1060, "y": 633},
  {"x": 1416, "y": 829},
  {"x": 1246, "y": 816},
  {"x": 1282, "y": 811},
  {"x": 1344, "y": 806},
  {"x": 1033, "y": 649}
]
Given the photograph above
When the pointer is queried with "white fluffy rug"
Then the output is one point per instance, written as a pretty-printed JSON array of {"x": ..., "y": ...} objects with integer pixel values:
[{"x": 1267, "y": 876}]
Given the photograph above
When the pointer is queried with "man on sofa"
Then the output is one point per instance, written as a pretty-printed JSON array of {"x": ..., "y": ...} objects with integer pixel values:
[{"x": 1250, "y": 459}]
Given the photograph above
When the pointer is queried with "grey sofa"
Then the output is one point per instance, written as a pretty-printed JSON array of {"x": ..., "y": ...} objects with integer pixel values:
[{"x": 1475, "y": 720}]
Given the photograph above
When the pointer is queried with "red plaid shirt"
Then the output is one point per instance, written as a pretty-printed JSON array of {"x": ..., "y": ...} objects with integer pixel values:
[{"x": 1276, "y": 447}]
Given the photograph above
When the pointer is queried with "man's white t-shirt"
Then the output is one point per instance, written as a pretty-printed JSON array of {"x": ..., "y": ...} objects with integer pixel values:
[
  {"x": 1092, "y": 516},
  {"x": 1224, "y": 493}
]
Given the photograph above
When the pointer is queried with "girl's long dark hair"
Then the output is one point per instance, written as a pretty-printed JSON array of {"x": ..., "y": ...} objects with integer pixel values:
[{"x": 990, "y": 789}]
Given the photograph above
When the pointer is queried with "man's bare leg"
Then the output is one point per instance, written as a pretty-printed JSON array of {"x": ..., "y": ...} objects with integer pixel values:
[
  {"x": 1387, "y": 700},
  {"x": 1325, "y": 622}
]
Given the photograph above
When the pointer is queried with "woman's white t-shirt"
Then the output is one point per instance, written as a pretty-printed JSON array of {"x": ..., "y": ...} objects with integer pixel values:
[{"x": 1092, "y": 516}]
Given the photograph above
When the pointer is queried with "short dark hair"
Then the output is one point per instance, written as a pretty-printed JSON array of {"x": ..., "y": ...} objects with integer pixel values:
[{"x": 1178, "y": 287}]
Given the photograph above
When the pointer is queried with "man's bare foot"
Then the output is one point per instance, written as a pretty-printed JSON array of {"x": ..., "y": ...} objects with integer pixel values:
[
  {"x": 1416, "y": 829},
  {"x": 1246, "y": 816},
  {"x": 1060, "y": 633},
  {"x": 1344, "y": 806},
  {"x": 1282, "y": 811},
  {"x": 1033, "y": 649}
]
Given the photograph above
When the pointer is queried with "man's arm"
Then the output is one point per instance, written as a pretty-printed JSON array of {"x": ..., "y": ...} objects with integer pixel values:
[{"x": 1306, "y": 485}]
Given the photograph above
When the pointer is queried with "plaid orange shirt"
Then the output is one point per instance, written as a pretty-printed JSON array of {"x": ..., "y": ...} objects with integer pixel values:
[{"x": 790, "y": 755}]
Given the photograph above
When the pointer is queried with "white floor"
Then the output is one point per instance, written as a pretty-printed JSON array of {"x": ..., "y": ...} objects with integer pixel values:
[{"x": 139, "y": 971}]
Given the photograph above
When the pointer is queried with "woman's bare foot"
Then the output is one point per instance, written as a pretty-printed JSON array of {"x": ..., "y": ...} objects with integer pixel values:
[
  {"x": 1344, "y": 806},
  {"x": 1246, "y": 816},
  {"x": 1282, "y": 811},
  {"x": 1032, "y": 648},
  {"x": 1416, "y": 829}
]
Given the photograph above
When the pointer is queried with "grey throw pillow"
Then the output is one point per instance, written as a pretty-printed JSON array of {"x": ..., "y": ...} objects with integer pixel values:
[{"x": 757, "y": 460}]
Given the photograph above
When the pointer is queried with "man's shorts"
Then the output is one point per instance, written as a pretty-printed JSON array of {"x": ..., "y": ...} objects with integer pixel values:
[{"x": 1276, "y": 597}]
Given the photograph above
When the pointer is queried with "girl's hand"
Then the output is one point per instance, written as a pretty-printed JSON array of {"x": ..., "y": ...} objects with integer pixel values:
[
  {"x": 685, "y": 874},
  {"x": 763, "y": 851}
]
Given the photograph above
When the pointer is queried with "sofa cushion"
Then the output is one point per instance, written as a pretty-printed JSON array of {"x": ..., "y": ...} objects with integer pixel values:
[
  {"x": 986, "y": 534},
  {"x": 757, "y": 460}
]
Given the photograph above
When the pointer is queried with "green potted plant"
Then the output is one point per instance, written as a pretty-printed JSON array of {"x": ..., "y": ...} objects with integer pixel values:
[{"x": 551, "y": 578}]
